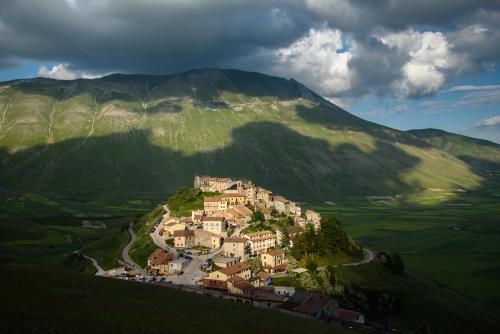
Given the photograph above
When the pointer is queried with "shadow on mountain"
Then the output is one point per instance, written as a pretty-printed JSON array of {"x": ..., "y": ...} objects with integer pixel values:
[
  {"x": 335, "y": 118},
  {"x": 128, "y": 165}
]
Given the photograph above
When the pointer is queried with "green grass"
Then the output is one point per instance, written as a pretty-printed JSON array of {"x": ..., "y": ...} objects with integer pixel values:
[
  {"x": 324, "y": 261},
  {"x": 42, "y": 300},
  {"x": 144, "y": 245},
  {"x": 446, "y": 310},
  {"x": 186, "y": 200},
  {"x": 465, "y": 259},
  {"x": 35, "y": 231},
  {"x": 139, "y": 157}
]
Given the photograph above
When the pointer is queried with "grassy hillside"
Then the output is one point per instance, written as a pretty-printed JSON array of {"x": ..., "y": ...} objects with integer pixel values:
[
  {"x": 43, "y": 301},
  {"x": 419, "y": 299},
  {"x": 109, "y": 149},
  {"x": 456, "y": 243},
  {"x": 122, "y": 138}
]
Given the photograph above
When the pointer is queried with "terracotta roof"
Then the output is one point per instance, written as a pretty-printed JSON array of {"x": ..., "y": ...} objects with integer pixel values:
[
  {"x": 238, "y": 240},
  {"x": 160, "y": 256},
  {"x": 281, "y": 267},
  {"x": 235, "y": 279},
  {"x": 259, "y": 233},
  {"x": 313, "y": 303},
  {"x": 212, "y": 199},
  {"x": 213, "y": 219},
  {"x": 184, "y": 233},
  {"x": 231, "y": 195},
  {"x": 276, "y": 252},
  {"x": 243, "y": 210},
  {"x": 347, "y": 315},
  {"x": 280, "y": 199},
  {"x": 234, "y": 269},
  {"x": 311, "y": 212},
  {"x": 268, "y": 289},
  {"x": 243, "y": 284},
  {"x": 269, "y": 297},
  {"x": 263, "y": 275}
]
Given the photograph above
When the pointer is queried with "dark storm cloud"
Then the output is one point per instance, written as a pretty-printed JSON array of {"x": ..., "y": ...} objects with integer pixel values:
[
  {"x": 145, "y": 36},
  {"x": 275, "y": 36}
]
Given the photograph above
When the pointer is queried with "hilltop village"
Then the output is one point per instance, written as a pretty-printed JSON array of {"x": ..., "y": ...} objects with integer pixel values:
[{"x": 225, "y": 249}]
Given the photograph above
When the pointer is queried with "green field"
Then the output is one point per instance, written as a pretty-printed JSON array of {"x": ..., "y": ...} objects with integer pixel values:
[
  {"x": 420, "y": 299},
  {"x": 37, "y": 300},
  {"x": 456, "y": 245},
  {"x": 35, "y": 229}
]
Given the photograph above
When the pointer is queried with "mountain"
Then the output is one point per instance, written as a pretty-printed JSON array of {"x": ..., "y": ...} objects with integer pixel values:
[{"x": 124, "y": 138}]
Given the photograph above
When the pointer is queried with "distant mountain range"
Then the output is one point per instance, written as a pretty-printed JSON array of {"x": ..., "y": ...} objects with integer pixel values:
[{"x": 123, "y": 137}]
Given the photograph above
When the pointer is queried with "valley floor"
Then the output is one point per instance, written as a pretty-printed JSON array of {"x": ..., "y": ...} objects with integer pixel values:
[{"x": 456, "y": 245}]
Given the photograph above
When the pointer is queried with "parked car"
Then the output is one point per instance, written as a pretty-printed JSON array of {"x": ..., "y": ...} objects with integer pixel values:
[
  {"x": 188, "y": 257},
  {"x": 180, "y": 272}
]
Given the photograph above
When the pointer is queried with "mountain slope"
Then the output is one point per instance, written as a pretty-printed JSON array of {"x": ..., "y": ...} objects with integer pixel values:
[{"x": 124, "y": 137}]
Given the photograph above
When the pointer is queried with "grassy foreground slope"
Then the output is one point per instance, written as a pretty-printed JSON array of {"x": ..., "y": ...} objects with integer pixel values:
[{"x": 36, "y": 300}]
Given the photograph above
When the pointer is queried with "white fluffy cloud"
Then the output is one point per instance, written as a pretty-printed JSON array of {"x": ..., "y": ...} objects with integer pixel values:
[
  {"x": 319, "y": 59},
  {"x": 489, "y": 122},
  {"x": 429, "y": 59},
  {"x": 63, "y": 72}
]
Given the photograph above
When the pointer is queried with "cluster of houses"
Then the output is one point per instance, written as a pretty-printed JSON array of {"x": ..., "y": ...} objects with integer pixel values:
[
  {"x": 229, "y": 275},
  {"x": 232, "y": 207},
  {"x": 237, "y": 281},
  {"x": 235, "y": 194}
]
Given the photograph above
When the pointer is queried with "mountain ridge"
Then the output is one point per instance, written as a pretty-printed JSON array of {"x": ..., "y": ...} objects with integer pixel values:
[{"x": 219, "y": 122}]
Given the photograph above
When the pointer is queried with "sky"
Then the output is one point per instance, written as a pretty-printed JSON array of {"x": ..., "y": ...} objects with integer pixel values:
[{"x": 402, "y": 63}]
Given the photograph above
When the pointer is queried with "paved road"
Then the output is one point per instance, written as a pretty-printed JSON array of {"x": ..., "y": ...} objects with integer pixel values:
[
  {"x": 238, "y": 230},
  {"x": 193, "y": 273},
  {"x": 368, "y": 257},
  {"x": 100, "y": 271},
  {"x": 126, "y": 249}
]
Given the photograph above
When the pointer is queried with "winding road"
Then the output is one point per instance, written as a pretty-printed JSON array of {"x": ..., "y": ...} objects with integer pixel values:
[
  {"x": 368, "y": 257},
  {"x": 100, "y": 271},
  {"x": 126, "y": 249}
]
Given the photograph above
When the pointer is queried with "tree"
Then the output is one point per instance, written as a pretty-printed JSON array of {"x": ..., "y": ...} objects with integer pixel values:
[
  {"x": 355, "y": 298},
  {"x": 392, "y": 261},
  {"x": 308, "y": 282},
  {"x": 254, "y": 263},
  {"x": 332, "y": 276},
  {"x": 386, "y": 304},
  {"x": 274, "y": 212},
  {"x": 312, "y": 266},
  {"x": 285, "y": 235},
  {"x": 397, "y": 264},
  {"x": 258, "y": 216}
]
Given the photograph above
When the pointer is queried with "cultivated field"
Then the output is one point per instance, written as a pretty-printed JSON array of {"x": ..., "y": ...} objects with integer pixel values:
[{"x": 458, "y": 245}]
